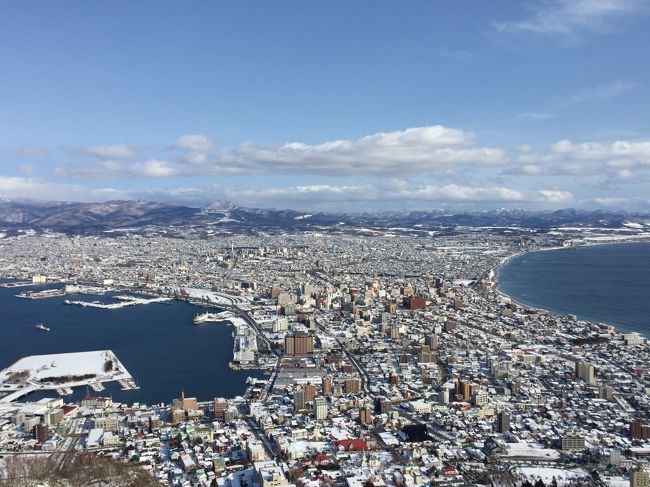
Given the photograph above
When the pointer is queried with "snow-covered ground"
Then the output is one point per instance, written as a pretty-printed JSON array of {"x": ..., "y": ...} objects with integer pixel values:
[
  {"x": 40, "y": 368},
  {"x": 564, "y": 477}
]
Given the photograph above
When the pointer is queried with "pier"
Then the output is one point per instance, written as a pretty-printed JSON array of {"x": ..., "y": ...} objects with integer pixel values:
[
  {"x": 62, "y": 372},
  {"x": 124, "y": 301}
]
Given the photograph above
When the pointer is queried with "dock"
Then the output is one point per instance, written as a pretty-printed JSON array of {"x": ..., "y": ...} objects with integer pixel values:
[{"x": 123, "y": 302}]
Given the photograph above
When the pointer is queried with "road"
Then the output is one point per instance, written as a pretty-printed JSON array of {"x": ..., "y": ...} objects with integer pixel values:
[{"x": 363, "y": 374}]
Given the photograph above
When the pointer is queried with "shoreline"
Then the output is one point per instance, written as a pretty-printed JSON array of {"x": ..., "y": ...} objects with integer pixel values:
[
  {"x": 493, "y": 272},
  {"x": 250, "y": 373}
]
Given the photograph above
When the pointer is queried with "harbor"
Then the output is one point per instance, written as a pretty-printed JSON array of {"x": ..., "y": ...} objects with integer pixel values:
[{"x": 151, "y": 341}]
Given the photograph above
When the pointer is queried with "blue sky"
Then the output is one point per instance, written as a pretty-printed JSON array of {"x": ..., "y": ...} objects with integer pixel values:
[{"x": 328, "y": 105}]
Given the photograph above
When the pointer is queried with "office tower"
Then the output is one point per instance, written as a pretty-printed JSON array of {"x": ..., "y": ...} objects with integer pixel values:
[
  {"x": 299, "y": 400},
  {"x": 503, "y": 422},
  {"x": 320, "y": 408}
]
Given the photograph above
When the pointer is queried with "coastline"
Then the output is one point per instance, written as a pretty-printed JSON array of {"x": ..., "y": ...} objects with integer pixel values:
[
  {"x": 135, "y": 324},
  {"x": 492, "y": 277}
]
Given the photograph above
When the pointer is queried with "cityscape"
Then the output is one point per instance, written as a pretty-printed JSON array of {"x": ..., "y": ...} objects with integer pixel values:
[
  {"x": 387, "y": 359},
  {"x": 342, "y": 243}
]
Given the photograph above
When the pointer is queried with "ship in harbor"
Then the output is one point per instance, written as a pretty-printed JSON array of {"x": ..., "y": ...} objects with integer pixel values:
[
  {"x": 42, "y": 327},
  {"x": 208, "y": 317}
]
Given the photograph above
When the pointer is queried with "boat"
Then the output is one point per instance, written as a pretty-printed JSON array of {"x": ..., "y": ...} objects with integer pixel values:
[
  {"x": 207, "y": 316},
  {"x": 201, "y": 318},
  {"x": 42, "y": 327}
]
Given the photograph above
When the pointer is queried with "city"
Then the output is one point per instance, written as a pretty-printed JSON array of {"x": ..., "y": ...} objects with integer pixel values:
[
  {"x": 324, "y": 243},
  {"x": 392, "y": 360}
]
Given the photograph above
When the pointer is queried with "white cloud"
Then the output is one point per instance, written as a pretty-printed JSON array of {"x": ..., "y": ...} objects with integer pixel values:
[
  {"x": 621, "y": 161},
  {"x": 31, "y": 188},
  {"x": 428, "y": 150},
  {"x": 114, "y": 151},
  {"x": 569, "y": 20},
  {"x": 195, "y": 143},
  {"x": 111, "y": 169},
  {"x": 432, "y": 150}
]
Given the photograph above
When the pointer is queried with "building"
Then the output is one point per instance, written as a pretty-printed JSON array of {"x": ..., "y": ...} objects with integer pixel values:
[
  {"x": 109, "y": 439},
  {"x": 419, "y": 407},
  {"x": 394, "y": 331},
  {"x": 414, "y": 302},
  {"x": 320, "y": 408},
  {"x": 53, "y": 417},
  {"x": 298, "y": 344},
  {"x": 640, "y": 479},
  {"x": 443, "y": 396},
  {"x": 299, "y": 400},
  {"x": 96, "y": 402},
  {"x": 480, "y": 397},
  {"x": 503, "y": 422},
  {"x": 182, "y": 408},
  {"x": 365, "y": 416},
  {"x": 586, "y": 372},
  {"x": 310, "y": 392},
  {"x": 431, "y": 341},
  {"x": 326, "y": 385},
  {"x": 352, "y": 386},
  {"x": 633, "y": 339},
  {"x": 41, "y": 432},
  {"x": 606, "y": 392},
  {"x": 639, "y": 431},
  {"x": 107, "y": 423},
  {"x": 573, "y": 442},
  {"x": 220, "y": 405},
  {"x": 424, "y": 355}
]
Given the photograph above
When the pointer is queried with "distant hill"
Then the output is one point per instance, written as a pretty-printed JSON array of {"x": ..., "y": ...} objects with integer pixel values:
[{"x": 90, "y": 218}]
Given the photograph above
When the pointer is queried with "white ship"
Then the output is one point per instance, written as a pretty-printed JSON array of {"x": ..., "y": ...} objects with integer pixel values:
[
  {"x": 42, "y": 327},
  {"x": 207, "y": 317}
]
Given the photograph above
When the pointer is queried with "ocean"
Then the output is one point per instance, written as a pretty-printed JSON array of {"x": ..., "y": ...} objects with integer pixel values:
[
  {"x": 157, "y": 343},
  {"x": 600, "y": 283}
]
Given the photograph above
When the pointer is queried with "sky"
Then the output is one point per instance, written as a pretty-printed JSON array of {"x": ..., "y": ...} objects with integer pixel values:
[{"x": 337, "y": 105}]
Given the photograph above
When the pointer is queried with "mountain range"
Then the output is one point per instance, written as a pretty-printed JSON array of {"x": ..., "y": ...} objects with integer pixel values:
[{"x": 91, "y": 218}]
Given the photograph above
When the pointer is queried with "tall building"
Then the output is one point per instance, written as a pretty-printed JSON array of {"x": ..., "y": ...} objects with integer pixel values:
[
  {"x": 443, "y": 396},
  {"x": 352, "y": 386},
  {"x": 414, "y": 302},
  {"x": 424, "y": 355},
  {"x": 41, "y": 432},
  {"x": 320, "y": 408},
  {"x": 299, "y": 400},
  {"x": 431, "y": 341},
  {"x": 326, "y": 385},
  {"x": 639, "y": 431},
  {"x": 310, "y": 392},
  {"x": 640, "y": 478},
  {"x": 298, "y": 344},
  {"x": 394, "y": 332},
  {"x": 586, "y": 372},
  {"x": 480, "y": 397},
  {"x": 503, "y": 422},
  {"x": 606, "y": 392},
  {"x": 365, "y": 416},
  {"x": 220, "y": 405}
]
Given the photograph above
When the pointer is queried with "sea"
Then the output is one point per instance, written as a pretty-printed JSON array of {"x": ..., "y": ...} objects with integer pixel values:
[
  {"x": 607, "y": 283},
  {"x": 158, "y": 344}
]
